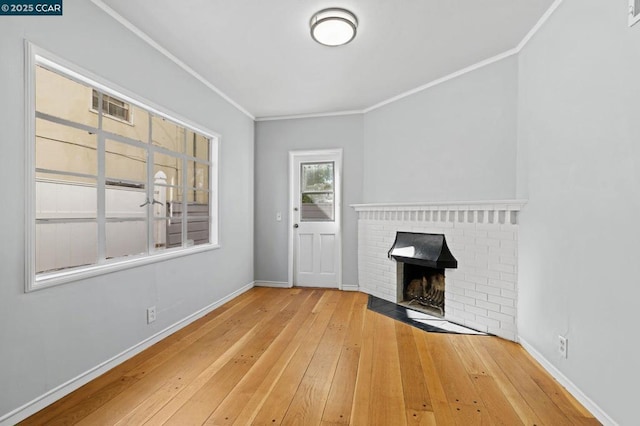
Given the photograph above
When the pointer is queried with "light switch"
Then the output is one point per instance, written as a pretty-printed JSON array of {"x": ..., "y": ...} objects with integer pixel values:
[{"x": 279, "y": 216}]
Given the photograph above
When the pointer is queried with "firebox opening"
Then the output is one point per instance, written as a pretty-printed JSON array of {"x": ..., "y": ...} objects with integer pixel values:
[{"x": 423, "y": 288}]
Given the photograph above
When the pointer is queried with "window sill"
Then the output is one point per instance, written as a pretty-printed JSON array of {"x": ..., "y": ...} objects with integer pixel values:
[{"x": 58, "y": 278}]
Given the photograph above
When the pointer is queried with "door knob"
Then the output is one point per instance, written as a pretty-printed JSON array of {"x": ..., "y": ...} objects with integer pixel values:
[{"x": 295, "y": 225}]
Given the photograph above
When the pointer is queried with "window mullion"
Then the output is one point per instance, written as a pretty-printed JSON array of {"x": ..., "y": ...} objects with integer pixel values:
[
  {"x": 150, "y": 189},
  {"x": 185, "y": 228},
  {"x": 101, "y": 188}
]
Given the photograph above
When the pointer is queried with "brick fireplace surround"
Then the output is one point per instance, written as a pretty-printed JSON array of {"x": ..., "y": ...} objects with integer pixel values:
[{"x": 482, "y": 292}]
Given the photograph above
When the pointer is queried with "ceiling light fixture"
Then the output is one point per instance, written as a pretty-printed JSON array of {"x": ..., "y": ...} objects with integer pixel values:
[{"x": 333, "y": 26}]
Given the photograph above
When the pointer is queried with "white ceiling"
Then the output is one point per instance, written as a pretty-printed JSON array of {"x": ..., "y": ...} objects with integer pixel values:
[{"x": 260, "y": 54}]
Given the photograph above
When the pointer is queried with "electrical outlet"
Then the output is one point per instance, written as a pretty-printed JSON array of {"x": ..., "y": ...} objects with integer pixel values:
[
  {"x": 151, "y": 314},
  {"x": 563, "y": 343}
]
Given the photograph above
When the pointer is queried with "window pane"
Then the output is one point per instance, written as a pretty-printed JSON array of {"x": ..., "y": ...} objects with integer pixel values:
[
  {"x": 64, "y": 98},
  {"x": 174, "y": 233},
  {"x": 317, "y": 207},
  {"x": 168, "y": 233},
  {"x": 169, "y": 165},
  {"x": 125, "y": 162},
  {"x": 197, "y": 230},
  {"x": 126, "y": 238},
  {"x": 168, "y": 196},
  {"x": 198, "y": 197},
  {"x": 65, "y": 149},
  {"x": 197, "y": 175},
  {"x": 125, "y": 202},
  {"x": 197, "y": 145},
  {"x": 135, "y": 127},
  {"x": 317, "y": 177},
  {"x": 65, "y": 245},
  {"x": 167, "y": 134},
  {"x": 64, "y": 200}
]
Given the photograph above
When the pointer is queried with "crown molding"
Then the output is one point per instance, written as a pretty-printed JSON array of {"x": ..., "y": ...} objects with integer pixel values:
[
  {"x": 312, "y": 115},
  {"x": 543, "y": 19},
  {"x": 137, "y": 31}
]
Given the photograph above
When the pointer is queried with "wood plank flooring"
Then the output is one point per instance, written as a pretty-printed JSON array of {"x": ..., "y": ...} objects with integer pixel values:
[{"x": 318, "y": 357}]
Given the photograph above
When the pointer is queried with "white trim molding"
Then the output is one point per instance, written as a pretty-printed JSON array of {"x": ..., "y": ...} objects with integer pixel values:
[
  {"x": 273, "y": 284},
  {"x": 350, "y": 287},
  {"x": 310, "y": 115},
  {"x": 543, "y": 19},
  {"x": 66, "y": 388},
  {"x": 568, "y": 384}
]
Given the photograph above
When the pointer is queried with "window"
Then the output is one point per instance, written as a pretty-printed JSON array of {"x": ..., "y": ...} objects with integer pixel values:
[
  {"x": 317, "y": 192},
  {"x": 111, "y": 106},
  {"x": 634, "y": 12},
  {"x": 107, "y": 194}
]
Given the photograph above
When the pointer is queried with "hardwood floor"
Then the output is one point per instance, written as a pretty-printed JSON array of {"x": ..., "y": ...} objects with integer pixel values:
[{"x": 308, "y": 356}]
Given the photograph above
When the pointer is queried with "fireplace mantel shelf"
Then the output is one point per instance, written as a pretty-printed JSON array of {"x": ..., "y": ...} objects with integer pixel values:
[{"x": 482, "y": 205}]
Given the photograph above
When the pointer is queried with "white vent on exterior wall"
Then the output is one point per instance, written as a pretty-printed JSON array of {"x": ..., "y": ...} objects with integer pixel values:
[{"x": 634, "y": 11}]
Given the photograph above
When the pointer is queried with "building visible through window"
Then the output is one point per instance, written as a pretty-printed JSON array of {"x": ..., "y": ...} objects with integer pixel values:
[{"x": 111, "y": 106}]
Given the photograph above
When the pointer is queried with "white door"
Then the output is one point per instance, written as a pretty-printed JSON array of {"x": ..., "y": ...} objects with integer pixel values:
[{"x": 315, "y": 218}]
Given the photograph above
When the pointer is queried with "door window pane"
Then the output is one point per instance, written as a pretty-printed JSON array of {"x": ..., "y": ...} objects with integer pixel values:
[
  {"x": 317, "y": 177},
  {"x": 317, "y": 207},
  {"x": 316, "y": 195}
]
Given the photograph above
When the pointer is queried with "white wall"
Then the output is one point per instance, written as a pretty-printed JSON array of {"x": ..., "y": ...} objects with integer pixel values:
[
  {"x": 274, "y": 140},
  {"x": 454, "y": 141},
  {"x": 579, "y": 166},
  {"x": 50, "y": 336}
]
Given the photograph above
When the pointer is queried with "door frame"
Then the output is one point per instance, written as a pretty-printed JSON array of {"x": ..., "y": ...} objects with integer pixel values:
[{"x": 337, "y": 152}]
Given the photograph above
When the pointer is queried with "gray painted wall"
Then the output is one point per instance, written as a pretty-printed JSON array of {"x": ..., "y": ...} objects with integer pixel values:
[
  {"x": 454, "y": 141},
  {"x": 579, "y": 166},
  {"x": 50, "y": 336},
  {"x": 274, "y": 140}
]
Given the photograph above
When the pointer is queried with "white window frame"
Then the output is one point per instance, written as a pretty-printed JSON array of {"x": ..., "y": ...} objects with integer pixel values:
[
  {"x": 34, "y": 56},
  {"x": 634, "y": 12}
]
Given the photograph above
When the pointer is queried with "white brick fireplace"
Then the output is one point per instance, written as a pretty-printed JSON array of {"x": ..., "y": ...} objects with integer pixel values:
[{"x": 481, "y": 293}]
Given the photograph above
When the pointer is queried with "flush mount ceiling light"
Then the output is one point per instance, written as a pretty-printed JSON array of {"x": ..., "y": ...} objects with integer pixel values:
[{"x": 333, "y": 27}]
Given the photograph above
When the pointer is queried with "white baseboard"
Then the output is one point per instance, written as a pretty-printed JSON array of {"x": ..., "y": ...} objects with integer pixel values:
[
  {"x": 569, "y": 385},
  {"x": 278, "y": 284},
  {"x": 377, "y": 294},
  {"x": 350, "y": 287},
  {"x": 66, "y": 388}
]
